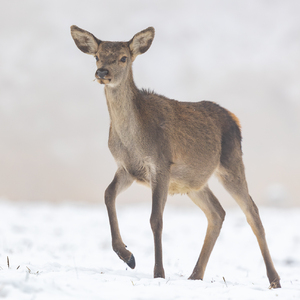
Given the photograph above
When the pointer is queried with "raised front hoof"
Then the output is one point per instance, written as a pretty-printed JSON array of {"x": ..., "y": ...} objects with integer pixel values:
[
  {"x": 127, "y": 257},
  {"x": 131, "y": 262},
  {"x": 275, "y": 284}
]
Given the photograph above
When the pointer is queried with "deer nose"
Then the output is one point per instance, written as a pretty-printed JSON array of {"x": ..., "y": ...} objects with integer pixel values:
[{"x": 101, "y": 73}]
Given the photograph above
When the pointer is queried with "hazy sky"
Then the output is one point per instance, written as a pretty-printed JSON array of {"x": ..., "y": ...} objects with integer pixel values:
[{"x": 53, "y": 116}]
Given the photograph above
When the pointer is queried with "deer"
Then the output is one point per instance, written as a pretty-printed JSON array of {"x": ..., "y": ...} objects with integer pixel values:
[{"x": 173, "y": 147}]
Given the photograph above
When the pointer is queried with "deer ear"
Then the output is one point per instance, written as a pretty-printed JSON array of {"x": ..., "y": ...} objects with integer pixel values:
[
  {"x": 141, "y": 42},
  {"x": 84, "y": 40}
]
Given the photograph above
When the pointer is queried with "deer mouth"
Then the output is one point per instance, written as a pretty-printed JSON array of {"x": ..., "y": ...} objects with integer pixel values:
[{"x": 103, "y": 80}]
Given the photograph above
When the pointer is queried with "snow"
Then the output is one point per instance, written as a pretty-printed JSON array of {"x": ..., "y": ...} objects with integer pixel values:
[{"x": 63, "y": 251}]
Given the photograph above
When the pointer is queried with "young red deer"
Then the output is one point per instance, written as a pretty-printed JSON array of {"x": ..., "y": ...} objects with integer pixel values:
[{"x": 172, "y": 147}]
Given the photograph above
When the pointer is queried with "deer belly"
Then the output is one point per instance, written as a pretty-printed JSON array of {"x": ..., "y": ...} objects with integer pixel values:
[
  {"x": 184, "y": 187},
  {"x": 185, "y": 178}
]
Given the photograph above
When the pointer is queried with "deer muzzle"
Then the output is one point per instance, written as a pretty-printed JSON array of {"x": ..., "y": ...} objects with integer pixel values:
[
  {"x": 101, "y": 76},
  {"x": 101, "y": 73}
]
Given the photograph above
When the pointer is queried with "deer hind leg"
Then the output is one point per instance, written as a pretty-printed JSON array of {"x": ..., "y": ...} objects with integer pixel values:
[
  {"x": 232, "y": 175},
  {"x": 215, "y": 215},
  {"x": 121, "y": 181}
]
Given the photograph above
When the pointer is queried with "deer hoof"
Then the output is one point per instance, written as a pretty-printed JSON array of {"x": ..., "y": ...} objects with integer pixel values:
[
  {"x": 195, "y": 276},
  {"x": 159, "y": 273},
  {"x": 275, "y": 284},
  {"x": 131, "y": 262}
]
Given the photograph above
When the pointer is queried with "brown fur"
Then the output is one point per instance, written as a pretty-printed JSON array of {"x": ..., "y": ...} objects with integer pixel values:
[{"x": 171, "y": 146}]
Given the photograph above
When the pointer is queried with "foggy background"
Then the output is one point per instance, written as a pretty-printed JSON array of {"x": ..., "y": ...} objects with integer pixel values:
[{"x": 244, "y": 55}]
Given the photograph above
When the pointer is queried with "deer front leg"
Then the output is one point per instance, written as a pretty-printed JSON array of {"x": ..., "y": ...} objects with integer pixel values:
[
  {"x": 159, "y": 196},
  {"x": 121, "y": 181}
]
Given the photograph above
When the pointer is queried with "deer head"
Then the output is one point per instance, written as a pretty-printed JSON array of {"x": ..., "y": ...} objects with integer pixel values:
[{"x": 113, "y": 59}]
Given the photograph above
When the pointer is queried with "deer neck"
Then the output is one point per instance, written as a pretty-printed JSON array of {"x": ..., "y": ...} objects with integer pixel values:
[{"x": 121, "y": 102}]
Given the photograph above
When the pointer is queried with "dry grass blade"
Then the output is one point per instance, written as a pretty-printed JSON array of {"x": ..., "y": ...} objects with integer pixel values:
[{"x": 30, "y": 272}]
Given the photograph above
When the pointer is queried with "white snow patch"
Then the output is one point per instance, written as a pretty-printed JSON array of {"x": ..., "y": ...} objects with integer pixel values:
[{"x": 64, "y": 252}]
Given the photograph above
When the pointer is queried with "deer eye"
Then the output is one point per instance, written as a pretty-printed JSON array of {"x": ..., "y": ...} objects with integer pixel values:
[
  {"x": 123, "y": 59},
  {"x": 97, "y": 58}
]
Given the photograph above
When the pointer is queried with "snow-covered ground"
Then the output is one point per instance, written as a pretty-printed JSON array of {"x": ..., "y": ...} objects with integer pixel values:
[{"x": 64, "y": 252}]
